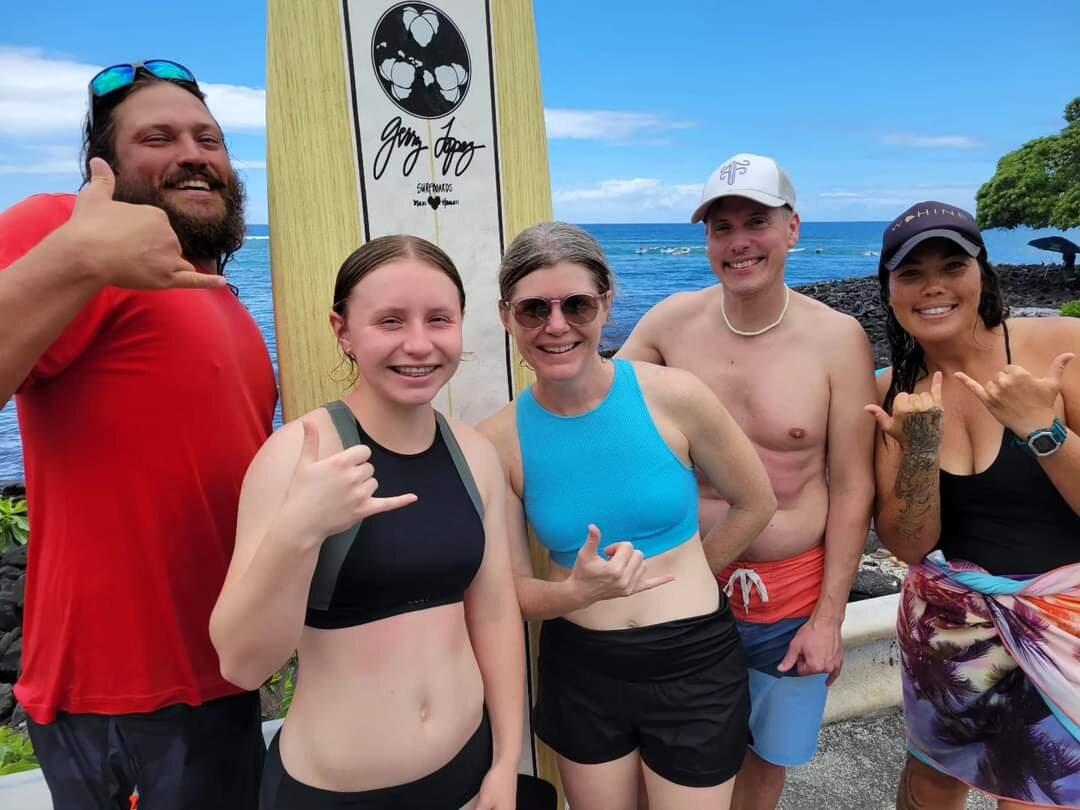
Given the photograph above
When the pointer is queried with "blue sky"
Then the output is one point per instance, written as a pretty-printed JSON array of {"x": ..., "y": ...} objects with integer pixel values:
[{"x": 869, "y": 106}]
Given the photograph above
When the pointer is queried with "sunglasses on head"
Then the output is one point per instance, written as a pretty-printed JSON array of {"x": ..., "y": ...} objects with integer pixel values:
[
  {"x": 579, "y": 309},
  {"x": 118, "y": 77}
]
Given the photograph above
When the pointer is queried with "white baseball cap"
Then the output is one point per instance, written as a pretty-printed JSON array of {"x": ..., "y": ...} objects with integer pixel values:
[{"x": 752, "y": 176}]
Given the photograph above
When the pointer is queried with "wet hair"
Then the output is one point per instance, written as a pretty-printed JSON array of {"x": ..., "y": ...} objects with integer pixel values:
[
  {"x": 907, "y": 356},
  {"x": 374, "y": 254},
  {"x": 99, "y": 140},
  {"x": 549, "y": 244}
]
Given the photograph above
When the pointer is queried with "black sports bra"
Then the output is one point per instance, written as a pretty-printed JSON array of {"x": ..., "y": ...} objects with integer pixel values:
[{"x": 419, "y": 556}]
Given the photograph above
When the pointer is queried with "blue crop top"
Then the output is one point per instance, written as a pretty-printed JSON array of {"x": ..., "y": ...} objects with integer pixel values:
[
  {"x": 419, "y": 556},
  {"x": 610, "y": 467}
]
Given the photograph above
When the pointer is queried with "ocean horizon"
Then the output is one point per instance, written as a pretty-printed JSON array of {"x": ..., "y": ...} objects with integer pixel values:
[{"x": 651, "y": 261}]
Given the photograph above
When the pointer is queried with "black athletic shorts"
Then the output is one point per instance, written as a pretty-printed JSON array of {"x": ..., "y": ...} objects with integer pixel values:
[
  {"x": 449, "y": 788},
  {"x": 207, "y": 757},
  {"x": 678, "y": 692}
]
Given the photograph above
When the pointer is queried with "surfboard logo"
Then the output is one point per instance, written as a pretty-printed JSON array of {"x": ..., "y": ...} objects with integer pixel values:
[{"x": 421, "y": 60}]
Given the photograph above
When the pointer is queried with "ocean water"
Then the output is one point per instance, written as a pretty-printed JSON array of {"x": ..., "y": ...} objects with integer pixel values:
[{"x": 651, "y": 262}]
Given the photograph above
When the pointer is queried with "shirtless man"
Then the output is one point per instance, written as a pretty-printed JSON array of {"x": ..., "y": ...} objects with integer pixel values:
[{"x": 794, "y": 374}]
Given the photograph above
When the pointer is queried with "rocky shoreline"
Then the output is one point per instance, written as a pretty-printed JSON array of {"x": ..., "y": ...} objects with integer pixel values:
[{"x": 1026, "y": 287}]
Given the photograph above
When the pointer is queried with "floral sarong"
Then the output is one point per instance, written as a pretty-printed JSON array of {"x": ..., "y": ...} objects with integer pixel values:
[{"x": 991, "y": 676}]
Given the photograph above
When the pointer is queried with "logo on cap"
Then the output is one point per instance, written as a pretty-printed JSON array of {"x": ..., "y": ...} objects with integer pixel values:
[
  {"x": 730, "y": 170},
  {"x": 915, "y": 213}
]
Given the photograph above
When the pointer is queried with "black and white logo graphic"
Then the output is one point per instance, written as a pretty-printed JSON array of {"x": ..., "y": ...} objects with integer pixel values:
[{"x": 421, "y": 60}]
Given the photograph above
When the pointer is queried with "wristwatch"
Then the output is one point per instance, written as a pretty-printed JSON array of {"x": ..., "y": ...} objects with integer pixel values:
[{"x": 1045, "y": 441}]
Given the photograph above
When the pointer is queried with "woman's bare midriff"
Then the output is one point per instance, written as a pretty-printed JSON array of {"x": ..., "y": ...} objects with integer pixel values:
[
  {"x": 384, "y": 703},
  {"x": 693, "y": 593}
]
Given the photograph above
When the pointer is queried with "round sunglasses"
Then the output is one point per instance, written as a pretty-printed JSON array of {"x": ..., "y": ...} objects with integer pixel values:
[{"x": 579, "y": 309}]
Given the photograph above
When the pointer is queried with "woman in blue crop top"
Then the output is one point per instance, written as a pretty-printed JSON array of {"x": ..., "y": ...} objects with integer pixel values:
[
  {"x": 641, "y": 668},
  {"x": 397, "y": 593},
  {"x": 978, "y": 472}
]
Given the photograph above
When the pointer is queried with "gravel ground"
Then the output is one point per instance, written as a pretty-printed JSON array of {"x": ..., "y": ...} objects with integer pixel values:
[{"x": 856, "y": 768}]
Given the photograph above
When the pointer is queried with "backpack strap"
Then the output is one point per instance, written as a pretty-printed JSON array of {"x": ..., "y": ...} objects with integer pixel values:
[
  {"x": 460, "y": 463},
  {"x": 334, "y": 549}
]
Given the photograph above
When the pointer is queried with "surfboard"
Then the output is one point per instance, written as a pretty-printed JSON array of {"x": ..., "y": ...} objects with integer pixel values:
[{"x": 403, "y": 117}]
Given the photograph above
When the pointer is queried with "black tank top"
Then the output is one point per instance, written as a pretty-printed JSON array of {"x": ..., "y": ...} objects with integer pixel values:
[
  {"x": 1010, "y": 518},
  {"x": 419, "y": 556}
]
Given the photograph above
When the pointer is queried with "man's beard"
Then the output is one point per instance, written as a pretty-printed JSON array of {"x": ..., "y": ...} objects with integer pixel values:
[{"x": 200, "y": 238}]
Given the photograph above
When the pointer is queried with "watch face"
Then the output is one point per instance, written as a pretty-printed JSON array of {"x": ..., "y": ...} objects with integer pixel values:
[{"x": 1044, "y": 443}]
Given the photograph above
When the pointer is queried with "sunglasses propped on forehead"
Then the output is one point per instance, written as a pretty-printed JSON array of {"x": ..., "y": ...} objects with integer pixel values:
[
  {"x": 579, "y": 309},
  {"x": 117, "y": 77}
]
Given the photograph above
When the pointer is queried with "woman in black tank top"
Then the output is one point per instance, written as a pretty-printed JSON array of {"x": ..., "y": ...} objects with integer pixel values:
[
  {"x": 978, "y": 474},
  {"x": 371, "y": 539}
]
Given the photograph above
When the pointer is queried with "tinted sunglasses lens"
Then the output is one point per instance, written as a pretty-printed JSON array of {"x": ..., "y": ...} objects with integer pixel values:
[
  {"x": 579, "y": 309},
  {"x": 532, "y": 312},
  {"x": 164, "y": 69},
  {"x": 112, "y": 78}
]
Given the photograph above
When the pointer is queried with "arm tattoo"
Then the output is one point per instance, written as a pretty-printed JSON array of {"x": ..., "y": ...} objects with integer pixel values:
[{"x": 917, "y": 479}]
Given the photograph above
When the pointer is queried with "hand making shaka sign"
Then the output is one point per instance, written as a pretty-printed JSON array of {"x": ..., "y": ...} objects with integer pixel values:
[
  {"x": 329, "y": 495},
  {"x": 916, "y": 419},
  {"x": 1017, "y": 398}
]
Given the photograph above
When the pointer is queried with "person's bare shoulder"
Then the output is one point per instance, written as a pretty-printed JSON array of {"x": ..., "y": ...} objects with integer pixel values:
[
  {"x": 501, "y": 430},
  {"x": 273, "y": 465},
  {"x": 676, "y": 308},
  {"x": 1051, "y": 335},
  {"x": 657, "y": 326},
  {"x": 671, "y": 388},
  {"x": 679, "y": 305}
]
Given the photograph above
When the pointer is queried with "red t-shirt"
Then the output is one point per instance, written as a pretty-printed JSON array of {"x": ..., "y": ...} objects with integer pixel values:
[{"x": 138, "y": 425}]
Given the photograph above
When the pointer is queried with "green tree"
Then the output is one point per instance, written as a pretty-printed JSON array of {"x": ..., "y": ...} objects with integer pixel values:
[{"x": 1038, "y": 185}]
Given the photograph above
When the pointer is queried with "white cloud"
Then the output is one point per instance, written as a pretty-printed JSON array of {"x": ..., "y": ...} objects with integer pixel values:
[
  {"x": 249, "y": 164},
  {"x": 882, "y": 202},
  {"x": 649, "y": 191},
  {"x": 236, "y": 108},
  {"x": 605, "y": 125},
  {"x": 41, "y": 95},
  {"x": 931, "y": 141},
  {"x": 43, "y": 159},
  {"x": 638, "y": 199}
]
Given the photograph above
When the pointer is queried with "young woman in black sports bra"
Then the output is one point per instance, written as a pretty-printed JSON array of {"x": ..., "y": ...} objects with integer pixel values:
[
  {"x": 978, "y": 475},
  {"x": 371, "y": 538}
]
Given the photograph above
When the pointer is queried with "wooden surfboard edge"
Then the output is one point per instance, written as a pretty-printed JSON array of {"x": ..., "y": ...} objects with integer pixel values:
[
  {"x": 312, "y": 193},
  {"x": 526, "y": 196}
]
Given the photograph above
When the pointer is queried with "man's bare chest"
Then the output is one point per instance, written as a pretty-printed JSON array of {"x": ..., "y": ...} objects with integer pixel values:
[{"x": 779, "y": 397}]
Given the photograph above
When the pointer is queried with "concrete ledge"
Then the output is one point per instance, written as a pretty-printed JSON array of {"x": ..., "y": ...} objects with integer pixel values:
[{"x": 870, "y": 680}]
